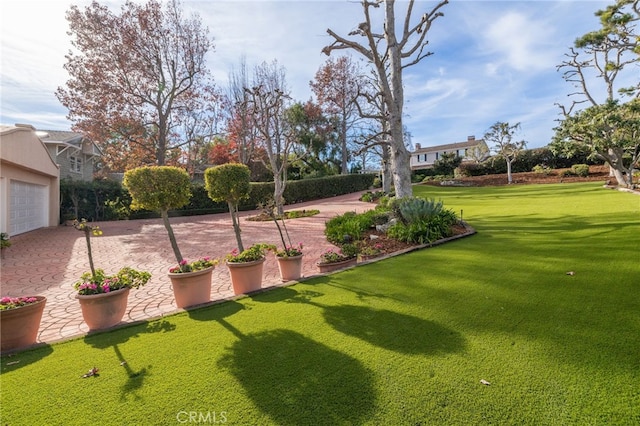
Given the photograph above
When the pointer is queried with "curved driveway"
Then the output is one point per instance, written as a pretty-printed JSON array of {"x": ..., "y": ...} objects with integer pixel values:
[{"x": 48, "y": 261}]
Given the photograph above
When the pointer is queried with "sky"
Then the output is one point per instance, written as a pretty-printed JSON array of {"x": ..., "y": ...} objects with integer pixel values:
[{"x": 492, "y": 60}]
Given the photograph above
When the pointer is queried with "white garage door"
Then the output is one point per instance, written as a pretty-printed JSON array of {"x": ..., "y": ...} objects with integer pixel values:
[{"x": 28, "y": 207}]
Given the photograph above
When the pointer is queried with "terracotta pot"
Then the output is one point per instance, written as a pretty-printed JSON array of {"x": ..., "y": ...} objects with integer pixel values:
[
  {"x": 290, "y": 267},
  {"x": 192, "y": 288},
  {"x": 20, "y": 325},
  {"x": 334, "y": 266},
  {"x": 246, "y": 276},
  {"x": 103, "y": 310}
]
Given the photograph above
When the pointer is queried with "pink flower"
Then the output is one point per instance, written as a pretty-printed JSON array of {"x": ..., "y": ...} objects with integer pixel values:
[
  {"x": 5, "y": 300},
  {"x": 183, "y": 262}
]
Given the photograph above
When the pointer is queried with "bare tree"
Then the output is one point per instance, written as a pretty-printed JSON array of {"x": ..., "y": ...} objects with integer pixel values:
[
  {"x": 135, "y": 76},
  {"x": 390, "y": 55},
  {"x": 241, "y": 129},
  {"x": 269, "y": 99},
  {"x": 500, "y": 135}
]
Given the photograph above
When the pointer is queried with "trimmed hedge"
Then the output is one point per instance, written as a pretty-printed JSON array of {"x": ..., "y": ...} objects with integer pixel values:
[{"x": 109, "y": 200}]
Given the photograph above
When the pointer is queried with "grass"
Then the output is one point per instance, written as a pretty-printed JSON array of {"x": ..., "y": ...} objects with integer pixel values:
[{"x": 404, "y": 341}]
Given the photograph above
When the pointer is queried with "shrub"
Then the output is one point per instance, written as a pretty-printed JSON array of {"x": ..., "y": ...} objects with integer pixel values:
[
  {"x": 425, "y": 231},
  {"x": 371, "y": 196},
  {"x": 346, "y": 228},
  {"x": 471, "y": 169},
  {"x": 580, "y": 170},
  {"x": 541, "y": 169},
  {"x": 415, "y": 209}
]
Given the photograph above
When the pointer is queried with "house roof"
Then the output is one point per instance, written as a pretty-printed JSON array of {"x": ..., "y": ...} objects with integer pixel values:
[
  {"x": 66, "y": 138},
  {"x": 60, "y": 136},
  {"x": 451, "y": 146}
]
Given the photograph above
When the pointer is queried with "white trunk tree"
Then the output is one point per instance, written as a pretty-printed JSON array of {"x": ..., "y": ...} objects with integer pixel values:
[
  {"x": 389, "y": 55},
  {"x": 500, "y": 136}
]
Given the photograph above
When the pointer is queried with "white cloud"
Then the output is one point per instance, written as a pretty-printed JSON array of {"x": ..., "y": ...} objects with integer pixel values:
[
  {"x": 521, "y": 41},
  {"x": 493, "y": 60}
]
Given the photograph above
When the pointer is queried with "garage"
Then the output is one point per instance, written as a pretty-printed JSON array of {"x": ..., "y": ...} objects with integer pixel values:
[
  {"x": 28, "y": 207},
  {"x": 29, "y": 182}
]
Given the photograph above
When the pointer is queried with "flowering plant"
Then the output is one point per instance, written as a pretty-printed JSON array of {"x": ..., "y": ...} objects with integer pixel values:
[
  {"x": 253, "y": 253},
  {"x": 7, "y": 303},
  {"x": 346, "y": 252},
  {"x": 196, "y": 265},
  {"x": 290, "y": 251},
  {"x": 98, "y": 282}
]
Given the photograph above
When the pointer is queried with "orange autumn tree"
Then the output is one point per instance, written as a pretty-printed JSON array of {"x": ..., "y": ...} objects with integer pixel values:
[{"x": 135, "y": 78}]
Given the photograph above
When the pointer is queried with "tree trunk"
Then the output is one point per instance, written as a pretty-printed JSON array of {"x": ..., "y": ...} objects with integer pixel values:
[
  {"x": 233, "y": 210},
  {"x": 386, "y": 170},
  {"x": 172, "y": 237},
  {"x": 509, "y": 178},
  {"x": 400, "y": 158},
  {"x": 394, "y": 99},
  {"x": 278, "y": 193},
  {"x": 613, "y": 157},
  {"x": 345, "y": 153}
]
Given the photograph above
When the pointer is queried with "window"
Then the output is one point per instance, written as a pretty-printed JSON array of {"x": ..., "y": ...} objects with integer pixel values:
[{"x": 76, "y": 164}]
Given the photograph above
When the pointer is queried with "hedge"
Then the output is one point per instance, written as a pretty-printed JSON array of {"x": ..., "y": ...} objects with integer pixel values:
[{"x": 109, "y": 200}]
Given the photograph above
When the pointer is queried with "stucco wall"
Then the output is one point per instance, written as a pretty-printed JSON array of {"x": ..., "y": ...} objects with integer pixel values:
[{"x": 24, "y": 158}]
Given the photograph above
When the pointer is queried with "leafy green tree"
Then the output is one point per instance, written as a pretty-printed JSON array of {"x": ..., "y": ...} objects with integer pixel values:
[
  {"x": 611, "y": 131},
  {"x": 446, "y": 164},
  {"x": 231, "y": 183},
  {"x": 610, "y": 53},
  {"x": 159, "y": 188}
]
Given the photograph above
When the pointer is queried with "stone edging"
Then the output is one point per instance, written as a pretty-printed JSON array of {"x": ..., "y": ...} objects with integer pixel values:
[{"x": 618, "y": 188}]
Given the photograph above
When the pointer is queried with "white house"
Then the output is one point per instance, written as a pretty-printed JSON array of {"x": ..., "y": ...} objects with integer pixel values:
[
  {"x": 471, "y": 150},
  {"x": 29, "y": 182}
]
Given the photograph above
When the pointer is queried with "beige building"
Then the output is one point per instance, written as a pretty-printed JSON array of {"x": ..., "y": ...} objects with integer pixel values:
[
  {"x": 29, "y": 182},
  {"x": 471, "y": 150}
]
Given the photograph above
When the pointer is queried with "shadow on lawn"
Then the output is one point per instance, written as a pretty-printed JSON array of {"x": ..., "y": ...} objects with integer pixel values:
[
  {"x": 380, "y": 327},
  {"x": 296, "y": 380},
  {"x": 393, "y": 331},
  {"x": 135, "y": 378},
  {"x": 14, "y": 361}
]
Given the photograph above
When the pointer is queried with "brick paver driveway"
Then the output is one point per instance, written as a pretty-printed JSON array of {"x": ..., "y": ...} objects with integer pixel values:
[{"x": 48, "y": 261}]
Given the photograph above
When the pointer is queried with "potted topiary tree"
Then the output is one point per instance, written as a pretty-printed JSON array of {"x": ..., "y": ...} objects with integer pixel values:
[
  {"x": 103, "y": 298},
  {"x": 162, "y": 188},
  {"x": 232, "y": 183}
]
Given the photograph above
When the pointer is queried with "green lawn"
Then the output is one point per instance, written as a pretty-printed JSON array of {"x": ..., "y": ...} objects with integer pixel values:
[{"x": 404, "y": 341}]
